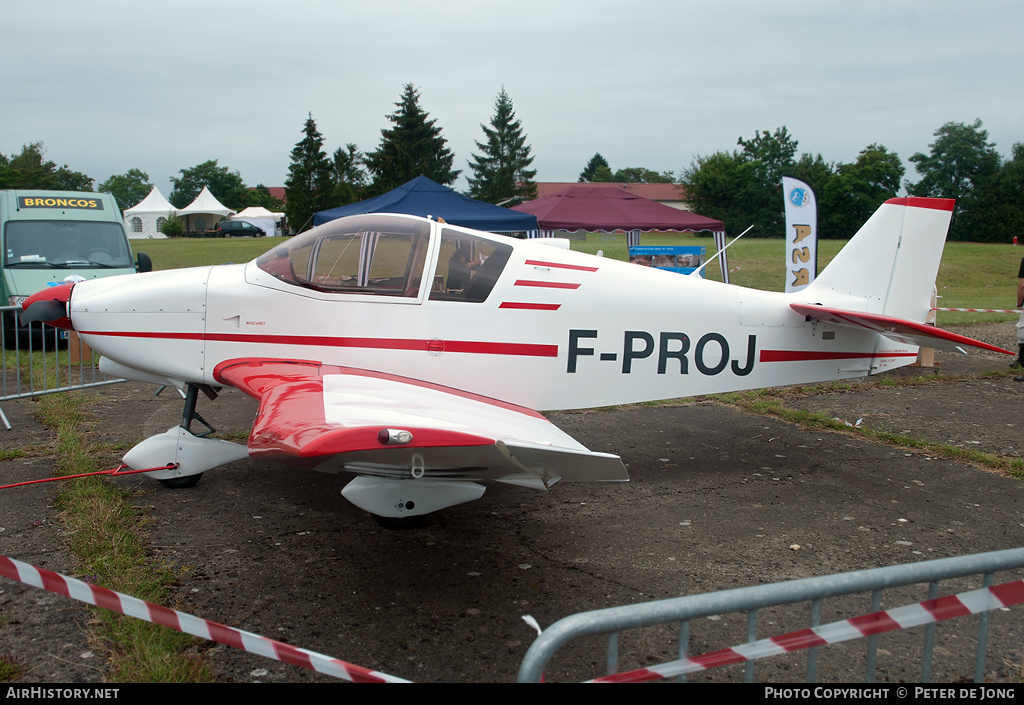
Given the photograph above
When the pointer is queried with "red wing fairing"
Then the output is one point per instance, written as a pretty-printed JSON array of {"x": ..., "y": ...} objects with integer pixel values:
[{"x": 372, "y": 423}]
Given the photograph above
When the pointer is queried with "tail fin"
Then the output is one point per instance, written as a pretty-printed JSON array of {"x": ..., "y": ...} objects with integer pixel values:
[{"x": 889, "y": 266}]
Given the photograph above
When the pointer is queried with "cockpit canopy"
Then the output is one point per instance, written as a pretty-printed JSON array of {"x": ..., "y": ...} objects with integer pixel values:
[
  {"x": 386, "y": 255},
  {"x": 359, "y": 255}
]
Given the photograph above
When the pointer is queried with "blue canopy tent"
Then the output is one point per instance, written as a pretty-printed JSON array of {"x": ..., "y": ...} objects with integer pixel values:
[{"x": 424, "y": 197}]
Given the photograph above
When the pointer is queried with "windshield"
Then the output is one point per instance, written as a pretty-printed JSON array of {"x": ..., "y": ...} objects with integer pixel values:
[
  {"x": 357, "y": 255},
  {"x": 37, "y": 244}
]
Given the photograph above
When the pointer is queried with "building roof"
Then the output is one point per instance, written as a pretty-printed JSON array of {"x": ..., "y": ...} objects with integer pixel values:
[{"x": 652, "y": 192}]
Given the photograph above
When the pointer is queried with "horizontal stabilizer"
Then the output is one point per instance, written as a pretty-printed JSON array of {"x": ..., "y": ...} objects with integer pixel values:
[{"x": 898, "y": 329}]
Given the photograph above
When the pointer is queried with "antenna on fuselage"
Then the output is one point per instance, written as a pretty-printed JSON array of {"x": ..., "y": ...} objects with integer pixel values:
[{"x": 711, "y": 259}]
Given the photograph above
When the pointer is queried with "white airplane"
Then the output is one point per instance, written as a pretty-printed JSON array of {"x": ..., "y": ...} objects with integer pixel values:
[{"x": 416, "y": 354}]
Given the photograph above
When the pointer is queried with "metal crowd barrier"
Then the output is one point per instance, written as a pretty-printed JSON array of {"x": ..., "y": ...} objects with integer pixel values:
[
  {"x": 683, "y": 610},
  {"x": 35, "y": 364}
]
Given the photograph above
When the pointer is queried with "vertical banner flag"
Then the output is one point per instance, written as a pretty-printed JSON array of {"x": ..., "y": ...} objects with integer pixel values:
[{"x": 801, "y": 234}]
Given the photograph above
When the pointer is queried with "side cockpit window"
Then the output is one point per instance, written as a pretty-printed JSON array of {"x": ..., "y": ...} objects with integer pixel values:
[
  {"x": 467, "y": 267},
  {"x": 358, "y": 255}
]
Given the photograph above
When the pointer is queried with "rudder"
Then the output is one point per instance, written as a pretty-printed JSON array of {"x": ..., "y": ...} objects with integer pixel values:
[{"x": 889, "y": 266}]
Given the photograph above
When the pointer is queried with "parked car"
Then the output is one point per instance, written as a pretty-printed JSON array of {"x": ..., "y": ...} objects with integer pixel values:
[{"x": 238, "y": 228}]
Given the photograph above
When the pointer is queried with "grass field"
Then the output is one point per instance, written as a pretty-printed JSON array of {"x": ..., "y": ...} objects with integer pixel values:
[{"x": 971, "y": 275}]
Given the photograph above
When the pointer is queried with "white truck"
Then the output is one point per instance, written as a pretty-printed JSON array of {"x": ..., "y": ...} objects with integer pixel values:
[{"x": 50, "y": 236}]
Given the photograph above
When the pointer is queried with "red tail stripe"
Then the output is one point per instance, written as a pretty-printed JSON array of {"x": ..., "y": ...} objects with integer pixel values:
[{"x": 938, "y": 204}]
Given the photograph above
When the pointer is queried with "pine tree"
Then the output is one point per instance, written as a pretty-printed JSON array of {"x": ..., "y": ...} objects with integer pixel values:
[
  {"x": 348, "y": 174},
  {"x": 413, "y": 147},
  {"x": 501, "y": 172},
  {"x": 596, "y": 162},
  {"x": 590, "y": 170},
  {"x": 309, "y": 187}
]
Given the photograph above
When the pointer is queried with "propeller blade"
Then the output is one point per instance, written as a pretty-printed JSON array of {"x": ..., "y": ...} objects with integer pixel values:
[
  {"x": 49, "y": 306},
  {"x": 44, "y": 311}
]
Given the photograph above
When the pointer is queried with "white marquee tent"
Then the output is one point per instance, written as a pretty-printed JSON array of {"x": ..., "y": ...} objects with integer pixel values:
[
  {"x": 146, "y": 219},
  {"x": 204, "y": 213},
  {"x": 261, "y": 218}
]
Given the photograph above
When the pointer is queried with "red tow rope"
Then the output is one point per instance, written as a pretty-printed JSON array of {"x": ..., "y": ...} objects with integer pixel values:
[{"x": 113, "y": 472}]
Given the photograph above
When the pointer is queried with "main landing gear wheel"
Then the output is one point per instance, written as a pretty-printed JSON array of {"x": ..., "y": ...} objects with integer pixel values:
[
  {"x": 396, "y": 523},
  {"x": 180, "y": 483}
]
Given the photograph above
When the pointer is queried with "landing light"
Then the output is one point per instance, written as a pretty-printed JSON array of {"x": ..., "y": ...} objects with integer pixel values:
[{"x": 392, "y": 437}]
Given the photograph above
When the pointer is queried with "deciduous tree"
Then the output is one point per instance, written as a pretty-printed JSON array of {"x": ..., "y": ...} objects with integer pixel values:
[
  {"x": 773, "y": 155},
  {"x": 960, "y": 164},
  {"x": 723, "y": 186},
  {"x": 28, "y": 170},
  {"x": 129, "y": 188},
  {"x": 226, "y": 185},
  {"x": 259, "y": 195},
  {"x": 854, "y": 191},
  {"x": 1003, "y": 201},
  {"x": 640, "y": 175}
]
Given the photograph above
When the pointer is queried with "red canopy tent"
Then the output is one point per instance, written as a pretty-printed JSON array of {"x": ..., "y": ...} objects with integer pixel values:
[{"x": 609, "y": 209}]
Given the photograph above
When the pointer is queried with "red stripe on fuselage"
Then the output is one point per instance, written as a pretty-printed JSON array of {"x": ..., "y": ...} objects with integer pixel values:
[
  {"x": 559, "y": 265},
  {"x": 547, "y": 285},
  {"x": 529, "y": 307},
  {"x": 810, "y": 355},
  {"x": 460, "y": 346}
]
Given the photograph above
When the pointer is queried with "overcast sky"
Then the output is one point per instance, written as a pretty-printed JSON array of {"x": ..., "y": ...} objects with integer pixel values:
[{"x": 161, "y": 86}]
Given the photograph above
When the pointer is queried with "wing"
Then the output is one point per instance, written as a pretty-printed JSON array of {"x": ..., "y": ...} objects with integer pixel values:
[
  {"x": 898, "y": 329},
  {"x": 339, "y": 418}
]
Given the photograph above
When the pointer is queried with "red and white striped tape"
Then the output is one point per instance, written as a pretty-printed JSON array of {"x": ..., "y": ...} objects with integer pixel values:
[
  {"x": 927, "y": 612},
  {"x": 981, "y": 310},
  {"x": 182, "y": 622}
]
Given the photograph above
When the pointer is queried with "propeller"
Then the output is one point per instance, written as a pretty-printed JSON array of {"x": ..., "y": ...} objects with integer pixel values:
[
  {"x": 49, "y": 306},
  {"x": 44, "y": 311}
]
